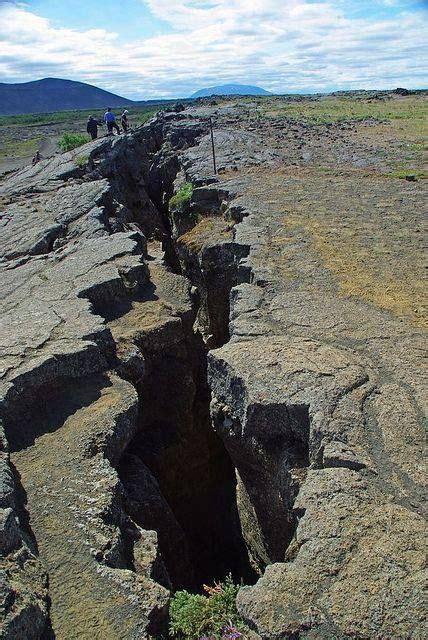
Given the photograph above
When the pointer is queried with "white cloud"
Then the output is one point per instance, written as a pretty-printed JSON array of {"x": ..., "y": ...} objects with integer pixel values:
[{"x": 281, "y": 45}]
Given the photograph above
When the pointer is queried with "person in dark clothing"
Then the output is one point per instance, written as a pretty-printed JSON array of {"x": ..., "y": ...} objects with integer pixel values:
[
  {"x": 36, "y": 158},
  {"x": 92, "y": 127},
  {"x": 110, "y": 120},
  {"x": 125, "y": 121}
]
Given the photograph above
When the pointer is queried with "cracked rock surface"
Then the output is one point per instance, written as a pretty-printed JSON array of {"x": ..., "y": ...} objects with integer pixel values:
[
  {"x": 73, "y": 249},
  {"x": 319, "y": 392},
  {"x": 284, "y": 316}
]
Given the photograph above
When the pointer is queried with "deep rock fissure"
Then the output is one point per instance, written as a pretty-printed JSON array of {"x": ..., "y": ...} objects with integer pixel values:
[
  {"x": 178, "y": 477},
  {"x": 180, "y": 474},
  {"x": 190, "y": 497},
  {"x": 147, "y": 450}
]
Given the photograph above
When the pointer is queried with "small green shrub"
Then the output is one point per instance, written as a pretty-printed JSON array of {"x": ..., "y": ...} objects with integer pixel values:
[
  {"x": 70, "y": 141},
  {"x": 188, "y": 614},
  {"x": 180, "y": 202},
  {"x": 210, "y": 617},
  {"x": 408, "y": 174}
]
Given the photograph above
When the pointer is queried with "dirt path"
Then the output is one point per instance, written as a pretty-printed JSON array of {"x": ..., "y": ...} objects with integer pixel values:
[{"x": 47, "y": 147}]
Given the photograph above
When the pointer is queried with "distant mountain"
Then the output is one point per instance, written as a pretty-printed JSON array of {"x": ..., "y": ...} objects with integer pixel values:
[
  {"x": 53, "y": 94},
  {"x": 231, "y": 90}
]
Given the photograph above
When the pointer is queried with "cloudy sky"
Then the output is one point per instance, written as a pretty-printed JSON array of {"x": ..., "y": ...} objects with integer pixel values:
[{"x": 170, "y": 48}]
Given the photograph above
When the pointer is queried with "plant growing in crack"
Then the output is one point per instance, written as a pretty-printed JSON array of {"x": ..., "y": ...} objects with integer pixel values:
[
  {"x": 207, "y": 617},
  {"x": 81, "y": 161},
  {"x": 180, "y": 201}
]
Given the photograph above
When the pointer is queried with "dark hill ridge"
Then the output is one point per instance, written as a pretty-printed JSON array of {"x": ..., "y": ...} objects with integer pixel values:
[
  {"x": 231, "y": 90},
  {"x": 54, "y": 94}
]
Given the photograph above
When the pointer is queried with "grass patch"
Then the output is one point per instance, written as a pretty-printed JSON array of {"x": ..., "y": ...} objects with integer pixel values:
[
  {"x": 346, "y": 108},
  {"x": 33, "y": 119},
  {"x": 208, "y": 617},
  {"x": 143, "y": 117},
  {"x": 19, "y": 148},
  {"x": 207, "y": 230},
  {"x": 71, "y": 141},
  {"x": 409, "y": 175},
  {"x": 81, "y": 161},
  {"x": 366, "y": 271}
]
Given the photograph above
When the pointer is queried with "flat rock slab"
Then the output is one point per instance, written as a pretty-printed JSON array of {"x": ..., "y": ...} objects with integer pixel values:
[
  {"x": 73, "y": 496},
  {"x": 49, "y": 329},
  {"x": 31, "y": 227}
]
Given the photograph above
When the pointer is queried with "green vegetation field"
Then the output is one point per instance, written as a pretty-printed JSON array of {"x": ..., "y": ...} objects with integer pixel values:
[
  {"x": 399, "y": 125},
  {"x": 138, "y": 114},
  {"x": 18, "y": 148},
  {"x": 343, "y": 108}
]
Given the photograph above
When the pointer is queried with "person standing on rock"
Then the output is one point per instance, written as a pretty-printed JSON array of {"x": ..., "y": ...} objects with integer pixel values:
[
  {"x": 110, "y": 120},
  {"x": 92, "y": 127},
  {"x": 124, "y": 121},
  {"x": 36, "y": 158}
]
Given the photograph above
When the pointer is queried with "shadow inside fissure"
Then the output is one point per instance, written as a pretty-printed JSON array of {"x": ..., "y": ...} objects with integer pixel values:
[{"x": 178, "y": 477}]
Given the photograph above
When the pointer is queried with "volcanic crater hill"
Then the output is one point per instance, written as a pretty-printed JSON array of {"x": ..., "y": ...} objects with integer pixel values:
[{"x": 235, "y": 390}]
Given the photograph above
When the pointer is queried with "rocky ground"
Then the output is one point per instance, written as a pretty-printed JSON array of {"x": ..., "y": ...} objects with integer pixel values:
[{"x": 235, "y": 388}]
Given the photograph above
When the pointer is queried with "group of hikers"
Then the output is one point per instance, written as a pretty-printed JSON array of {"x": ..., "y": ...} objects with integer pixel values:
[
  {"x": 110, "y": 120},
  {"x": 93, "y": 124}
]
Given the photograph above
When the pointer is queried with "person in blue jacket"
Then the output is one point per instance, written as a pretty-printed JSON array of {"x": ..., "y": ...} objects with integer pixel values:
[{"x": 110, "y": 120}]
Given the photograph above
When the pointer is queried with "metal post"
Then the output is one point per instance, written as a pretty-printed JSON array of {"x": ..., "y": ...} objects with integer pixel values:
[{"x": 212, "y": 145}]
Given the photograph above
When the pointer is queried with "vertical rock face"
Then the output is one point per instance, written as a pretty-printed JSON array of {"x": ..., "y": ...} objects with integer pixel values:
[
  {"x": 23, "y": 578},
  {"x": 178, "y": 408},
  {"x": 193, "y": 507}
]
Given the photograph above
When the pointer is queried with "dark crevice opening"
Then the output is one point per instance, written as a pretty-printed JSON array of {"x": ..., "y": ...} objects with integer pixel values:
[{"x": 178, "y": 477}]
